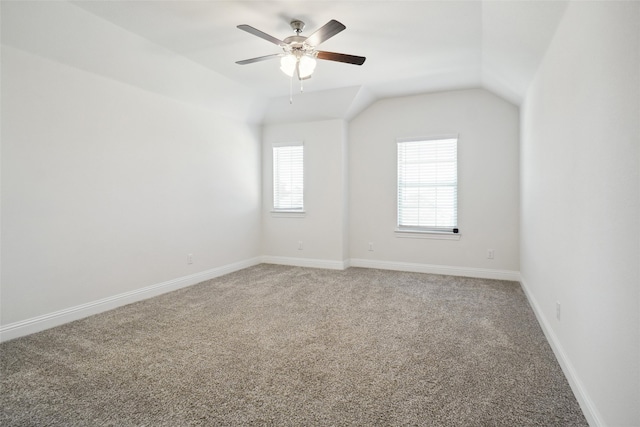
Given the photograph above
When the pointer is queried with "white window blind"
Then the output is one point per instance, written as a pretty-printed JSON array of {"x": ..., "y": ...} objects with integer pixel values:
[
  {"x": 288, "y": 177},
  {"x": 428, "y": 185}
]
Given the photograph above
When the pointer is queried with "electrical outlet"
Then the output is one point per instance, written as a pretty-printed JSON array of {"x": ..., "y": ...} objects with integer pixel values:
[
  {"x": 189, "y": 258},
  {"x": 299, "y": 245},
  {"x": 558, "y": 310},
  {"x": 490, "y": 253},
  {"x": 371, "y": 246}
]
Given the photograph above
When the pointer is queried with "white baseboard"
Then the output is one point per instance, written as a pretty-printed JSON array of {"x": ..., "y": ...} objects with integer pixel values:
[
  {"x": 481, "y": 273},
  {"x": 40, "y": 323},
  {"x": 305, "y": 262},
  {"x": 586, "y": 404}
]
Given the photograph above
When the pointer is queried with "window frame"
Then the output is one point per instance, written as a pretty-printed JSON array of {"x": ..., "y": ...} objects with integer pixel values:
[
  {"x": 286, "y": 212},
  {"x": 429, "y": 232}
]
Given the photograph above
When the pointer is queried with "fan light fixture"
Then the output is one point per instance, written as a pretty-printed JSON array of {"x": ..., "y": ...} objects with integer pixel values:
[{"x": 306, "y": 64}]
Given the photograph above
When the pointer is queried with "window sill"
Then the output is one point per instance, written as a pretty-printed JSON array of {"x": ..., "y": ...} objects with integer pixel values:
[
  {"x": 288, "y": 214},
  {"x": 438, "y": 235}
]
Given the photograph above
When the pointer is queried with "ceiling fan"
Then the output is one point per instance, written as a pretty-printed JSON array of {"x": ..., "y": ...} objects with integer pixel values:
[{"x": 299, "y": 52}]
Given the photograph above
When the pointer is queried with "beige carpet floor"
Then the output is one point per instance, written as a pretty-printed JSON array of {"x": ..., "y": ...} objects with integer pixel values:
[{"x": 290, "y": 346}]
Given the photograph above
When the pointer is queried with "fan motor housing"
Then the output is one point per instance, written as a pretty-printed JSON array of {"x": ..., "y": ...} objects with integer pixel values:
[{"x": 294, "y": 40}]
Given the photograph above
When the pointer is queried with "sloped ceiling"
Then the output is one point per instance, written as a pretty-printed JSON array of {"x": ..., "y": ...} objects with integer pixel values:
[{"x": 411, "y": 46}]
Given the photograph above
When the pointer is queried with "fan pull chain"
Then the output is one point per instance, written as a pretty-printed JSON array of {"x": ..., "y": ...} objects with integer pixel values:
[{"x": 291, "y": 90}]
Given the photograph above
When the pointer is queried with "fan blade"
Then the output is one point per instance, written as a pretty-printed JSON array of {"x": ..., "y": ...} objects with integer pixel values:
[
  {"x": 249, "y": 29},
  {"x": 260, "y": 58},
  {"x": 341, "y": 57},
  {"x": 329, "y": 30}
]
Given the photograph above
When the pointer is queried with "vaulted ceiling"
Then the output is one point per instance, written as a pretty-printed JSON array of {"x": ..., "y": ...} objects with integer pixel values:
[{"x": 411, "y": 46}]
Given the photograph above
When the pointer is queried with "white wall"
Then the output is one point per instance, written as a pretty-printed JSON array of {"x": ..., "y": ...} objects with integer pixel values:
[
  {"x": 487, "y": 174},
  {"x": 106, "y": 188},
  {"x": 580, "y": 229},
  {"x": 323, "y": 228}
]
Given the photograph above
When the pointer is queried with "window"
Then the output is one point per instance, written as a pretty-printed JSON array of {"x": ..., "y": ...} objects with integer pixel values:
[
  {"x": 288, "y": 177},
  {"x": 428, "y": 185}
]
